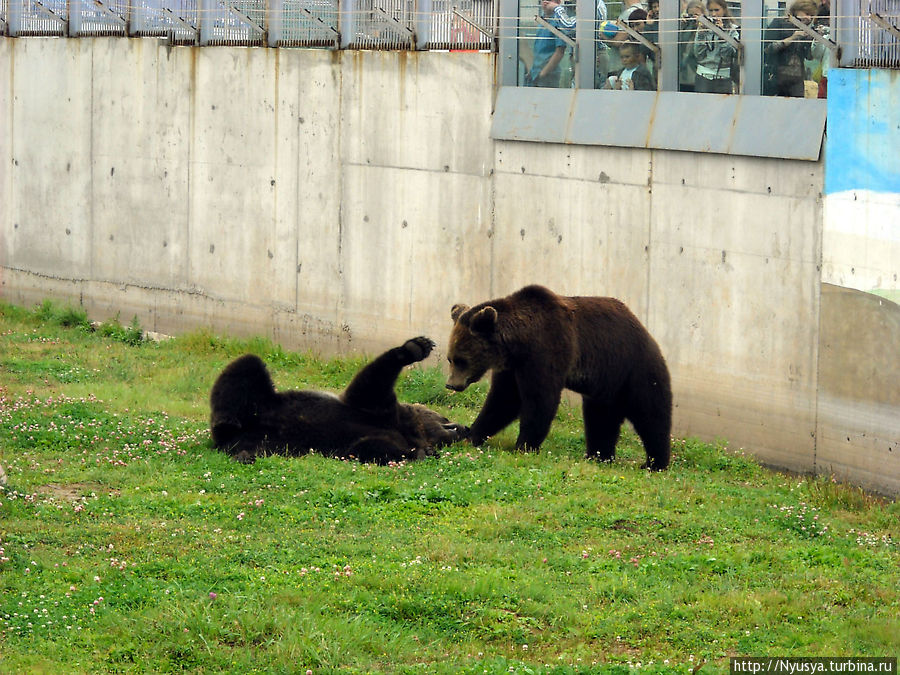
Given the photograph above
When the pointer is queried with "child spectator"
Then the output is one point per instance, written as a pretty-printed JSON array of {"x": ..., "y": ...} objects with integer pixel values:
[{"x": 634, "y": 76}]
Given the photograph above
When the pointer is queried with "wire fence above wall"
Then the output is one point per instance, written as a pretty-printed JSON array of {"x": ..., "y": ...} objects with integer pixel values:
[
  {"x": 872, "y": 26},
  {"x": 359, "y": 24},
  {"x": 866, "y": 29}
]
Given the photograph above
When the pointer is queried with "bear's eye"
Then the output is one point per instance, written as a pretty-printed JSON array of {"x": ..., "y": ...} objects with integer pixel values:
[{"x": 458, "y": 363}]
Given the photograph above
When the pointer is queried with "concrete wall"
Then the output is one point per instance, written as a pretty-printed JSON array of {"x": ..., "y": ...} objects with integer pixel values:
[{"x": 344, "y": 201}]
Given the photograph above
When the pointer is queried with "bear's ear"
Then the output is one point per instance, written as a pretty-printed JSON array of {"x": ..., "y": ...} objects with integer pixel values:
[
  {"x": 484, "y": 322},
  {"x": 458, "y": 311}
]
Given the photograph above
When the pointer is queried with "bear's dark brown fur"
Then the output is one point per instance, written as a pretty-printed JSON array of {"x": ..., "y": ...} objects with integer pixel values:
[
  {"x": 537, "y": 343},
  {"x": 366, "y": 422}
]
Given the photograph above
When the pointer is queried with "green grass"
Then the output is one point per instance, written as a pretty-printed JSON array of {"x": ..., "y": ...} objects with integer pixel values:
[{"x": 127, "y": 544}]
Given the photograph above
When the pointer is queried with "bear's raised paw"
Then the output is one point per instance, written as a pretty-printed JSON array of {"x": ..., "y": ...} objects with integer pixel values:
[{"x": 417, "y": 348}]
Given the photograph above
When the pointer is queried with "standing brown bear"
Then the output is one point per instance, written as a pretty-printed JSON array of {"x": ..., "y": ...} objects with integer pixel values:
[{"x": 537, "y": 343}]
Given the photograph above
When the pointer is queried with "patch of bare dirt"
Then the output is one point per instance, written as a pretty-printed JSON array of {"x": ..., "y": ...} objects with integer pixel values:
[{"x": 73, "y": 491}]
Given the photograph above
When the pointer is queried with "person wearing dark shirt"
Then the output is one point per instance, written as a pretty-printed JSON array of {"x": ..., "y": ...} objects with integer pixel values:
[{"x": 786, "y": 48}]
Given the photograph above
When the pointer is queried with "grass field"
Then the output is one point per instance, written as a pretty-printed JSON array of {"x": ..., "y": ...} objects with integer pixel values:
[{"x": 127, "y": 544}]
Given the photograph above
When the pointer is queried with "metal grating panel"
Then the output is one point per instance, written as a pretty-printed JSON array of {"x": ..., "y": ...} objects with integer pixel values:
[
  {"x": 233, "y": 22},
  {"x": 98, "y": 17},
  {"x": 304, "y": 23},
  {"x": 383, "y": 24},
  {"x": 451, "y": 31},
  {"x": 175, "y": 19},
  {"x": 877, "y": 46},
  {"x": 38, "y": 17}
]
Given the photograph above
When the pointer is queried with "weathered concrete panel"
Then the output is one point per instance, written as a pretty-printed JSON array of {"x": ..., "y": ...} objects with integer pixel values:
[
  {"x": 412, "y": 243},
  {"x": 309, "y": 141},
  {"x": 140, "y": 162},
  {"x": 233, "y": 252},
  {"x": 50, "y": 203},
  {"x": 859, "y": 389},
  {"x": 741, "y": 346},
  {"x": 423, "y": 111},
  {"x": 575, "y": 220},
  {"x": 735, "y": 307},
  {"x": 754, "y": 175},
  {"x": 6, "y": 81},
  {"x": 617, "y": 166}
]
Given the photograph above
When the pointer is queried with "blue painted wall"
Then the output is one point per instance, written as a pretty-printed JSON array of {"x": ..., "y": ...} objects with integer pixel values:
[
  {"x": 862, "y": 147},
  {"x": 861, "y": 233}
]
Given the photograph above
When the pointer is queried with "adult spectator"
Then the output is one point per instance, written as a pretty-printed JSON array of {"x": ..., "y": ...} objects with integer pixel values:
[
  {"x": 638, "y": 22},
  {"x": 630, "y": 6},
  {"x": 548, "y": 48},
  {"x": 687, "y": 31},
  {"x": 786, "y": 48},
  {"x": 715, "y": 56},
  {"x": 601, "y": 49},
  {"x": 651, "y": 30}
]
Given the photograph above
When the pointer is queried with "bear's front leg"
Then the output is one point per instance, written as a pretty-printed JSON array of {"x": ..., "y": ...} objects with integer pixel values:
[
  {"x": 540, "y": 401},
  {"x": 500, "y": 408},
  {"x": 373, "y": 387}
]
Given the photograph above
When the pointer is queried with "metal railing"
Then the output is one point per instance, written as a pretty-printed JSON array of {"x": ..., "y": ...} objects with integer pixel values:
[
  {"x": 357, "y": 24},
  {"x": 866, "y": 29}
]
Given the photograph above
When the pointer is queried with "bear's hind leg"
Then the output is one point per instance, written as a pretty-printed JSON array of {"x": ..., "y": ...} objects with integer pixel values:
[
  {"x": 650, "y": 412},
  {"x": 602, "y": 424},
  {"x": 655, "y": 437},
  {"x": 379, "y": 449},
  {"x": 372, "y": 389},
  {"x": 245, "y": 448}
]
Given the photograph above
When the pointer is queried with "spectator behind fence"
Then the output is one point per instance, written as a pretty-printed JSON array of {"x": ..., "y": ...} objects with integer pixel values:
[
  {"x": 651, "y": 25},
  {"x": 687, "y": 31},
  {"x": 601, "y": 49},
  {"x": 786, "y": 48},
  {"x": 715, "y": 57},
  {"x": 635, "y": 75},
  {"x": 638, "y": 23},
  {"x": 817, "y": 65},
  {"x": 548, "y": 48},
  {"x": 651, "y": 30},
  {"x": 628, "y": 7}
]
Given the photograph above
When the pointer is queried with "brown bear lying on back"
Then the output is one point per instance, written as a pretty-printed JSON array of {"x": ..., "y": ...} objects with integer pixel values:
[
  {"x": 537, "y": 343},
  {"x": 366, "y": 422}
]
